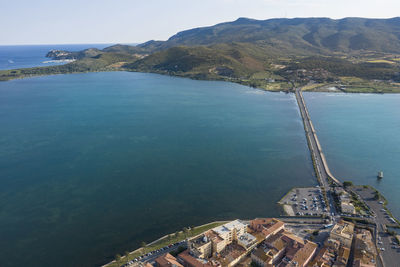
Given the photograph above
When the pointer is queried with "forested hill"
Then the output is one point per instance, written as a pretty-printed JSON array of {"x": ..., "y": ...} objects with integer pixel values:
[{"x": 295, "y": 36}]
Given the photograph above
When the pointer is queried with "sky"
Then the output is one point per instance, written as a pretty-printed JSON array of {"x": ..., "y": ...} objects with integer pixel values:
[{"x": 136, "y": 21}]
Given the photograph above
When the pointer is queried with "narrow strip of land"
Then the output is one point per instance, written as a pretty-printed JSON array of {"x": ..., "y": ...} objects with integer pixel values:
[
  {"x": 325, "y": 178},
  {"x": 322, "y": 168},
  {"x": 329, "y": 183}
]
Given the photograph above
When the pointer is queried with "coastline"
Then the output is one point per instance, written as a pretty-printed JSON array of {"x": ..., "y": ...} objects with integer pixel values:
[
  {"x": 162, "y": 238},
  {"x": 245, "y": 82},
  {"x": 158, "y": 243}
]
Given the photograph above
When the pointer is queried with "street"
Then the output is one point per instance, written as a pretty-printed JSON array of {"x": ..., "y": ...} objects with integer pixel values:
[{"x": 391, "y": 252}]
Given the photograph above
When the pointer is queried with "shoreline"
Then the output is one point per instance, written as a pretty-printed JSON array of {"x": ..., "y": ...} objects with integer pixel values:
[
  {"x": 166, "y": 236},
  {"x": 141, "y": 250},
  {"x": 222, "y": 79}
]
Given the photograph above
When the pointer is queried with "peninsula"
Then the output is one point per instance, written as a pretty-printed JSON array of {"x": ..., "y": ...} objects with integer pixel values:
[
  {"x": 332, "y": 224},
  {"x": 319, "y": 54}
]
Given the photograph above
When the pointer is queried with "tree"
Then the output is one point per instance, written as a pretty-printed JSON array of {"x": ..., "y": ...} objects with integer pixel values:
[
  {"x": 185, "y": 231},
  {"x": 118, "y": 258},
  {"x": 126, "y": 254},
  {"x": 347, "y": 183},
  {"x": 143, "y": 244},
  {"x": 191, "y": 230}
]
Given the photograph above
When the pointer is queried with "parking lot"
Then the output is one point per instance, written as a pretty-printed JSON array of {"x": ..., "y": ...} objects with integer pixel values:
[
  {"x": 387, "y": 246},
  {"x": 305, "y": 201},
  {"x": 152, "y": 255}
]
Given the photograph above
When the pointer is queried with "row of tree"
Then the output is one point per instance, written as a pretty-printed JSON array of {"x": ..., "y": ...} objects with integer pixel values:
[{"x": 186, "y": 231}]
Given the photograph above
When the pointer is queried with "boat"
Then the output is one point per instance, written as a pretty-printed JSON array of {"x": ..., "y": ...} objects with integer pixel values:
[{"x": 380, "y": 175}]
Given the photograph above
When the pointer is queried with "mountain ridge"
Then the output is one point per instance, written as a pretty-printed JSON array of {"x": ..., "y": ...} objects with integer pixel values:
[
  {"x": 356, "y": 54},
  {"x": 315, "y": 35}
]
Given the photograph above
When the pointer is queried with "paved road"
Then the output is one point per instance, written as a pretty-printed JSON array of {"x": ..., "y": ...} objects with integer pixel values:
[
  {"x": 156, "y": 254},
  {"x": 315, "y": 151},
  {"x": 302, "y": 220},
  {"x": 391, "y": 257}
]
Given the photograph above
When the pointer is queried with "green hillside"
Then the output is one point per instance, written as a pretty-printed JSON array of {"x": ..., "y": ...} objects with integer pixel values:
[
  {"x": 299, "y": 36},
  {"x": 351, "y": 54},
  {"x": 199, "y": 61},
  {"x": 100, "y": 62}
]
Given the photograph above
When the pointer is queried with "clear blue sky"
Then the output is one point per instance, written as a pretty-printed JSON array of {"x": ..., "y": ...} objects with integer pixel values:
[{"x": 132, "y": 21}]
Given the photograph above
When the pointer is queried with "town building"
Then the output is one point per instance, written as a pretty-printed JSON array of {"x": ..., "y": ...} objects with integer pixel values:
[
  {"x": 141, "y": 264},
  {"x": 216, "y": 239},
  {"x": 267, "y": 226},
  {"x": 226, "y": 244},
  {"x": 336, "y": 250},
  {"x": 324, "y": 258},
  {"x": 342, "y": 257},
  {"x": 167, "y": 260},
  {"x": 347, "y": 207},
  {"x": 345, "y": 201},
  {"x": 188, "y": 260},
  {"x": 364, "y": 249},
  {"x": 343, "y": 232},
  {"x": 230, "y": 231},
  {"x": 246, "y": 240},
  {"x": 201, "y": 247},
  {"x": 218, "y": 243},
  {"x": 284, "y": 249}
]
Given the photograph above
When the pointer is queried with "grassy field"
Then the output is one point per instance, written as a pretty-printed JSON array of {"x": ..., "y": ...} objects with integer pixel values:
[
  {"x": 276, "y": 86},
  {"x": 165, "y": 241},
  {"x": 381, "y": 61},
  {"x": 358, "y": 85},
  {"x": 370, "y": 87},
  {"x": 315, "y": 87}
]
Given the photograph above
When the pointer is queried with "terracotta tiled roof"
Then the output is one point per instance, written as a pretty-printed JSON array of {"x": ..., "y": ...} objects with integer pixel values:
[
  {"x": 267, "y": 226},
  {"x": 304, "y": 254},
  {"x": 167, "y": 260},
  {"x": 191, "y": 261}
]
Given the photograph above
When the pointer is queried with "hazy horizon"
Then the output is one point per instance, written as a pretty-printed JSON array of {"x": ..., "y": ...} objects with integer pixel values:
[
  {"x": 101, "y": 22},
  {"x": 136, "y": 43}
]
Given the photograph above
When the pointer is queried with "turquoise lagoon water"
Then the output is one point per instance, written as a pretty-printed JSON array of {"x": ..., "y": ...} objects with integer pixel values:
[
  {"x": 360, "y": 134},
  {"x": 93, "y": 164}
]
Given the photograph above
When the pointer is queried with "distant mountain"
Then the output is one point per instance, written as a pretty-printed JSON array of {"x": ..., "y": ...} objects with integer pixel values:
[{"x": 298, "y": 36}]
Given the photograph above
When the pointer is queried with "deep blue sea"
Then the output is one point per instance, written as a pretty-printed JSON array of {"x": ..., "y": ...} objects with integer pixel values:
[
  {"x": 360, "y": 136},
  {"x": 94, "y": 164},
  {"x": 26, "y": 56}
]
